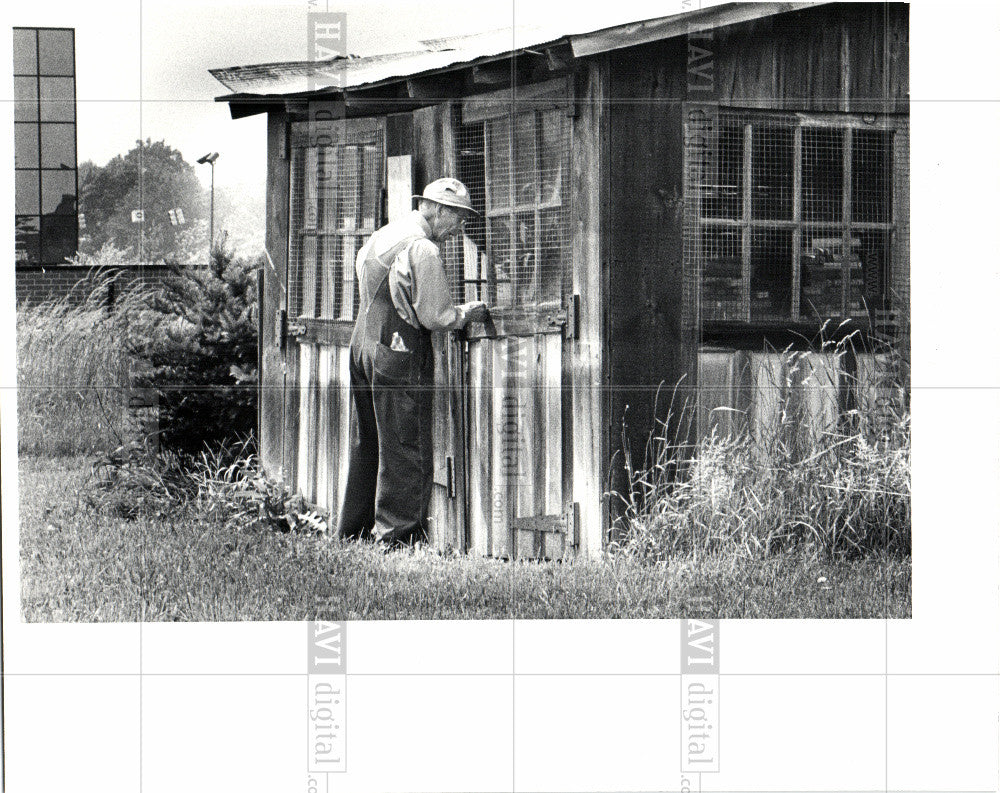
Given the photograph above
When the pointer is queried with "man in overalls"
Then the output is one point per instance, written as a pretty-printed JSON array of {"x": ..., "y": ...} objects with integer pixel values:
[{"x": 404, "y": 295}]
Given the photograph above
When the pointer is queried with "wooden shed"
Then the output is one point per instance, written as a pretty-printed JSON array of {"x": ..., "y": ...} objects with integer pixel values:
[{"x": 663, "y": 202}]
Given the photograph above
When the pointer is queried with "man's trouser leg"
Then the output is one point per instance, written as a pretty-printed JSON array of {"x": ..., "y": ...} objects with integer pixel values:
[
  {"x": 357, "y": 513},
  {"x": 405, "y": 462}
]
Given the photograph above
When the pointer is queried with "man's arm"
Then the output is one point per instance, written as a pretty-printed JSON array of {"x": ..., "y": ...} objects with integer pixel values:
[{"x": 430, "y": 294}]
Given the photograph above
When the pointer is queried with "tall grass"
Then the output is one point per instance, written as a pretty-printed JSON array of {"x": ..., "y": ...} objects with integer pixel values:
[
  {"x": 841, "y": 487},
  {"x": 73, "y": 371}
]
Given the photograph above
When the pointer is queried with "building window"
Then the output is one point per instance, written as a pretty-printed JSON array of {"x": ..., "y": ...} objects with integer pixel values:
[
  {"x": 336, "y": 183},
  {"x": 516, "y": 166},
  {"x": 45, "y": 178},
  {"x": 795, "y": 218}
]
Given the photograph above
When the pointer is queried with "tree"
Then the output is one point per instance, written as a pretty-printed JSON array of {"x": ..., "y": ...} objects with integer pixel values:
[
  {"x": 110, "y": 194},
  {"x": 195, "y": 343}
]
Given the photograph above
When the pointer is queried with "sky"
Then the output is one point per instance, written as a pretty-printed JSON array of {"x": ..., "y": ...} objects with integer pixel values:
[{"x": 142, "y": 68}]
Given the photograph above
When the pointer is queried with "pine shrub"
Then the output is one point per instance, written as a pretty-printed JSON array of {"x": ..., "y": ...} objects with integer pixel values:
[{"x": 195, "y": 346}]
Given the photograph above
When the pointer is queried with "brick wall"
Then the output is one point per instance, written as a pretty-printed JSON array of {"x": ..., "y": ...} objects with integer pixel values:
[{"x": 36, "y": 284}]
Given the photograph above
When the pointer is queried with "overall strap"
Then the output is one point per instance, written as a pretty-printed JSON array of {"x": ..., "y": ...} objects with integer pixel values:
[{"x": 386, "y": 260}]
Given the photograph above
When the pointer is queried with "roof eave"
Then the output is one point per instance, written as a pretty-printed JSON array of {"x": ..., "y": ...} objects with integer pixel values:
[
  {"x": 636, "y": 33},
  {"x": 395, "y": 79}
]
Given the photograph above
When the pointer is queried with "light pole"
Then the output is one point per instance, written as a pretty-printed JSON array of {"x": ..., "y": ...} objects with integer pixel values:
[{"x": 210, "y": 159}]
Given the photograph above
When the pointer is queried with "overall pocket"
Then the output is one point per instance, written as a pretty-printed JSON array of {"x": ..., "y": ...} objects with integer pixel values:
[
  {"x": 392, "y": 367},
  {"x": 396, "y": 375}
]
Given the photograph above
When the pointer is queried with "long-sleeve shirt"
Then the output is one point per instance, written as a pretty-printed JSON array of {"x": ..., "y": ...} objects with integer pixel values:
[{"x": 417, "y": 281}]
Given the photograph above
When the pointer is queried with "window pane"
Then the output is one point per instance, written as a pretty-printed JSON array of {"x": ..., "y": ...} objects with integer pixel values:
[
  {"x": 25, "y": 53},
  {"x": 500, "y": 259},
  {"x": 772, "y": 172},
  {"x": 525, "y": 259},
  {"x": 550, "y": 155},
  {"x": 822, "y": 275},
  {"x": 871, "y": 176},
  {"x": 26, "y": 192},
  {"x": 310, "y": 197},
  {"x": 356, "y": 299},
  {"x": 55, "y": 49},
  {"x": 525, "y": 183},
  {"x": 26, "y": 240},
  {"x": 327, "y": 185},
  {"x": 551, "y": 248},
  {"x": 295, "y": 189},
  {"x": 369, "y": 190},
  {"x": 59, "y": 192},
  {"x": 876, "y": 265},
  {"x": 770, "y": 273},
  {"x": 57, "y": 99},
  {"x": 348, "y": 188},
  {"x": 58, "y": 146},
  {"x": 451, "y": 258},
  {"x": 722, "y": 273},
  {"x": 348, "y": 288},
  {"x": 25, "y": 146},
  {"x": 722, "y": 178},
  {"x": 58, "y": 238},
  {"x": 306, "y": 302},
  {"x": 25, "y": 99},
  {"x": 329, "y": 275},
  {"x": 822, "y": 174},
  {"x": 498, "y": 164}
]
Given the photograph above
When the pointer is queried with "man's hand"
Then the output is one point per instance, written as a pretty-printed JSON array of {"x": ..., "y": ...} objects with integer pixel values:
[{"x": 475, "y": 311}]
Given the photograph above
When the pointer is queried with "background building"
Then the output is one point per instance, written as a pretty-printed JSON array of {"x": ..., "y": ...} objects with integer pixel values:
[{"x": 47, "y": 222}]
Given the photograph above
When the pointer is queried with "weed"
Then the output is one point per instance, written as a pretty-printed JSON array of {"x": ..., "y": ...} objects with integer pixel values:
[
  {"x": 801, "y": 471},
  {"x": 73, "y": 370}
]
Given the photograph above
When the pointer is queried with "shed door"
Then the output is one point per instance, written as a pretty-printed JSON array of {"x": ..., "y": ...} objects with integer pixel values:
[
  {"x": 336, "y": 180},
  {"x": 516, "y": 258}
]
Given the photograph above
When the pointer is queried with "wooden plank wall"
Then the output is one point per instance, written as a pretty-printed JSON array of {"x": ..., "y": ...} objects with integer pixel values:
[
  {"x": 650, "y": 351},
  {"x": 272, "y": 369},
  {"x": 324, "y": 427},
  {"x": 516, "y": 437},
  {"x": 842, "y": 56},
  {"x": 768, "y": 389},
  {"x": 586, "y": 449}
]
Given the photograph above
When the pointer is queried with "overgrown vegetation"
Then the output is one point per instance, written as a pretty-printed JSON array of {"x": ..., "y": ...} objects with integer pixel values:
[
  {"x": 73, "y": 371},
  {"x": 840, "y": 486},
  {"x": 191, "y": 342}
]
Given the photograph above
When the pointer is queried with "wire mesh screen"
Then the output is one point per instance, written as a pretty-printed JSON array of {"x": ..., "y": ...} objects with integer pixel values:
[
  {"x": 517, "y": 253},
  {"x": 336, "y": 181},
  {"x": 795, "y": 217}
]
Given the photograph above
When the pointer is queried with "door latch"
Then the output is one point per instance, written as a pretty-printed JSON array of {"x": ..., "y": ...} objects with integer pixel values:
[
  {"x": 283, "y": 328},
  {"x": 280, "y": 328}
]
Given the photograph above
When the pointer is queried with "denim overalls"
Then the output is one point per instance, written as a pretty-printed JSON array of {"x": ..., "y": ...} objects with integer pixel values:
[{"x": 391, "y": 471}]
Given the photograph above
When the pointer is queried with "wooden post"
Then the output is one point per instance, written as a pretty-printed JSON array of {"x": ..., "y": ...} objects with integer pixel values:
[{"x": 271, "y": 374}]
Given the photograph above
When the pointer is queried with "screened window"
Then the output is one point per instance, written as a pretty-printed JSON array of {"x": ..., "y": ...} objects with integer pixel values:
[
  {"x": 336, "y": 182},
  {"x": 794, "y": 217},
  {"x": 516, "y": 167}
]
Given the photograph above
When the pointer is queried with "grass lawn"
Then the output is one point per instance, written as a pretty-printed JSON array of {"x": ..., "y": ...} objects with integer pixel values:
[{"x": 89, "y": 559}]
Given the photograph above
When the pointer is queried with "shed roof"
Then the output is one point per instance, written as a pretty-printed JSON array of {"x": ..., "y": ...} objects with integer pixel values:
[{"x": 289, "y": 78}]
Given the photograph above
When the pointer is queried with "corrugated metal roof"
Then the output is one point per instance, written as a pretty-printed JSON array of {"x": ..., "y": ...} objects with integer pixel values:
[
  {"x": 294, "y": 77},
  {"x": 299, "y": 77}
]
